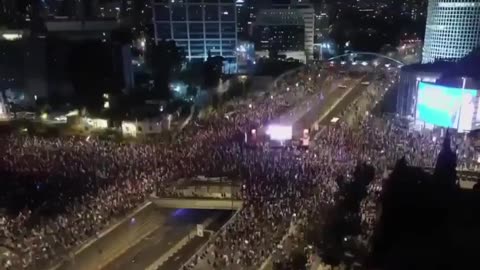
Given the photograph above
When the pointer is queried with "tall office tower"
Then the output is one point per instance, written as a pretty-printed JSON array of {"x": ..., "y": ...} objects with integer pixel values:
[
  {"x": 321, "y": 26},
  {"x": 308, "y": 13},
  {"x": 309, "y": 18},
  {"x": 200, "y": 27},
  {"x": 452, "y": 31},
  {"x": 246, "y": 14},
  {"x": 280, "y": 29},
  {"x": 109, "y": 9}
]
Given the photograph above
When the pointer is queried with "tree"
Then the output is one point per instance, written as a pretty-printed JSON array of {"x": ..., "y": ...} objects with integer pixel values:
[
  {"x": 213, "y": 70},
  {"x": 164, "y": 60},
  {"x": 91, "y": 73},
  {"x": 420, "y": 214},
  {"x": 273, "y": 52},
  {"x": 299, "y": 259},
  {"x": 192, "y": 91}
]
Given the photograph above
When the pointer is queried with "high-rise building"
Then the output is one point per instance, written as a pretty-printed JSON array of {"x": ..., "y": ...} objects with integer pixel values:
[
  {"x": 309, "y": 18},
  {"x": 308, "y": 13},
  {"x": 200, "y": 27},
  {"x": 452, "y": 31},
  {"x": 246, "y": 14},
  {"x": 110, "y": 9},
  {"x": 280, "y": 30}
]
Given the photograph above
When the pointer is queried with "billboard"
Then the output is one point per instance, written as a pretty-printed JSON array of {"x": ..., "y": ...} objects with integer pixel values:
[{"x": 446, "y": 106}]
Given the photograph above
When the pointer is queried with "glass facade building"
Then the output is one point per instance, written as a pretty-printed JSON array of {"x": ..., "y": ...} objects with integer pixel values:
[
  {"x": 200, "y": 27},
  {"x": 452, "y": 31}
]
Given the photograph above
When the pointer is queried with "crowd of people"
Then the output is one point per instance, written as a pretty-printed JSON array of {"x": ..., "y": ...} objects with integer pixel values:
[
  {"x": 59, "y": 192},
  {"x": 380, "y": 142},
  {"x": 297, "y": 181}
]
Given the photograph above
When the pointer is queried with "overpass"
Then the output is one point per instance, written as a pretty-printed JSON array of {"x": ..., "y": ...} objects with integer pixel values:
[
  {"x": 356, "y": 54},
  {"x": 197, "y": 203},
  {"x": 215, "y": 193},
  {"x": 466, "y": 179}
]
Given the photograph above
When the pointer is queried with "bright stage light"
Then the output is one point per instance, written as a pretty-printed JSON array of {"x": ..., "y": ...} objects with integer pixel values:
[
  {"x": 12, "y": 36},
  {"x": 279, "y": 132}
]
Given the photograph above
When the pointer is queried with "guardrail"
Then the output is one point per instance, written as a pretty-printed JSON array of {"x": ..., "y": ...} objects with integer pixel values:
[
  {"x": 267, "y": 264},
  {"x": 87, "y": 244},
  {"x": 191, "y": 234},
  {"x": 332, "y": 107},
  {"x": 212, "y": 238}
]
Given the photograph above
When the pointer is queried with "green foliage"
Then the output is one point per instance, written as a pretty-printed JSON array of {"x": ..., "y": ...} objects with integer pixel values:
[
  {"x": 333, "y": 235},
  {"x": 164, "y": 60},
  {"x": 192, "y": 91},
  {"x": 93, "y": 75},
  {"x": 213, "y": 71}
]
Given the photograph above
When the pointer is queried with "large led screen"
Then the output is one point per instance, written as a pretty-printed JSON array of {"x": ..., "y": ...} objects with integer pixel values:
[{"x": 446, "y": 106}]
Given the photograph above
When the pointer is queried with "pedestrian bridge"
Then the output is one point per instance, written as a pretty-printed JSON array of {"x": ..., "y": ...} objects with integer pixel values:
[
  {"x": 466, "y": 179},
  {"x": 197, "y": 203},
  {"x": 215, "y": 193}
]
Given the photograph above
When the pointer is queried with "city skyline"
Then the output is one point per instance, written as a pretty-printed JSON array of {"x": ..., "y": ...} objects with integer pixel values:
[{"x": 239, "y": 134}]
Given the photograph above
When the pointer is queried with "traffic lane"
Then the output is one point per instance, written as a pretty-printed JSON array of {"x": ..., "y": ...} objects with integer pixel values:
[
  {"x": 193, "y": 246},
  {"x": 185, "y": 253},
  {"x": 343, "y": 104},
  {"x": 149, "y": 249},
  {"x": 108, "y": 245}
]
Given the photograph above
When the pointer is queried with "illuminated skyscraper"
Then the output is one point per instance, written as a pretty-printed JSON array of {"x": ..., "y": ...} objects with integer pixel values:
[
  {"x": 200, "y": 27},
  {"x": 453, "y": 29},
  {"x": 246, "y": 15}
]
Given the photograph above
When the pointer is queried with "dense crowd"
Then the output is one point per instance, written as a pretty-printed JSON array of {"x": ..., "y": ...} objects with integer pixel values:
[
  {"x": 307, "y": 181},
  {"x": 283, "y": 188},
  {"x": 63, "y": 191}
]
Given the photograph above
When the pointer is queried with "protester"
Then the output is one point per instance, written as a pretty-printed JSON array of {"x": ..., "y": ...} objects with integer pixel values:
[{"x": 59, "y": 192}]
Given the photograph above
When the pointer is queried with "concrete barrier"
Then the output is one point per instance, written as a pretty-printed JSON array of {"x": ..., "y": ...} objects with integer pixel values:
[
  {"x": 113, "y": 242},
  {"x": 184, "y": 241},
  {"x": 338, "y": 100},
  {"x": 267, "y": 264},
  {"x": 212, "y": 238}
]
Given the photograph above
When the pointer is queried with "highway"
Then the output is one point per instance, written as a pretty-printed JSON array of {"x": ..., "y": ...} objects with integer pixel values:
[
  {"x": 343, "y": 104},
  {"x": 287, "y": 244},
  {"x": 195, "y": 244},
  {"x": 173, "y": 229},
  {"x": 336, "y": 101},
  {"x": 175, "y": 225}
]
